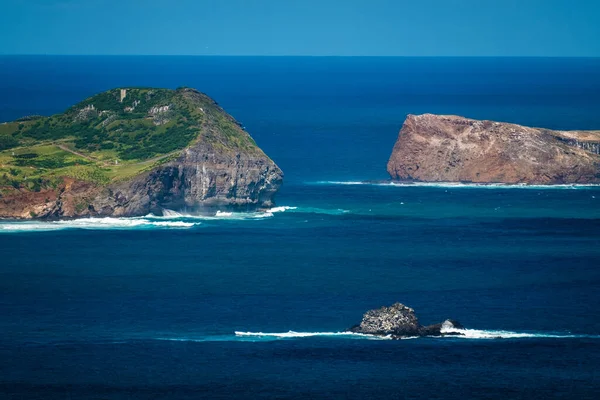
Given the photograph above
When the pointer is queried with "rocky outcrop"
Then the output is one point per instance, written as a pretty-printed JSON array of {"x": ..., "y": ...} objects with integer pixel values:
[
  {"x": 399, "y": 321},
  {"x": 442, "y": 148}
]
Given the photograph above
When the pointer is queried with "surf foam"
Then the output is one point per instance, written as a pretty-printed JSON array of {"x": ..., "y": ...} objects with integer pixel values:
[
  {"x": 281, "y": 209},
  {"x": 293, "y": 334},
  {"x": 308, "y": 210},
  {"x": 268, "y": 213},
  {"x": 231, "y": 215},
  {"x": 456, "y": 185},
  {"x": 168, "y": 219},
  {"x": 92, "y": 223},
  {"x": 242, "y": 215},
  {"x": 465, "y": 334},
  {"x": 500, "y": 334}
]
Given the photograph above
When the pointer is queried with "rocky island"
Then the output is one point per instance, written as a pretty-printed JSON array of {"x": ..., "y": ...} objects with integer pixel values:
[
  {"x": 399, "y": 321},
  {"x": 446, "y": 148},
  {"x": 130, "y": 152}
]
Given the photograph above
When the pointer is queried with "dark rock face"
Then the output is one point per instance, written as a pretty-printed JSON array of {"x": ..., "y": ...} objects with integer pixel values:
[
  {"x": 400, "y": 321},
  {"x": 200, "y": 178},
  {"x": 446, "y": 148}
]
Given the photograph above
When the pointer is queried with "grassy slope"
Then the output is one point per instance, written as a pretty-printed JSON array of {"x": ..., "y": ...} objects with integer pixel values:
[{"x": 114, "y": 140}]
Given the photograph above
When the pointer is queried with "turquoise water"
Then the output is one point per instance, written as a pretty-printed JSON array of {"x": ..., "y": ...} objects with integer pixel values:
[{"x": 188, "y": 306}]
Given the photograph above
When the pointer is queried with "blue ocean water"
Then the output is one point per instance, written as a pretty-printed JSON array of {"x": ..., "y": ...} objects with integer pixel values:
[{"x": 149, "y": 307}]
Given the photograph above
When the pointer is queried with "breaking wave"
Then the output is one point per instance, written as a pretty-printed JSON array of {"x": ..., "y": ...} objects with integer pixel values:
[
  {"x": 219, "y": 215},
  {"x": 455, "y": 185},
  {"x": 267, "y": 213},
  {"x": 309, "y": 210},
  {"x": 293, "y": 335},
  {"x": 93, "y": 223},
  {"x": 281, "y": 209},
  {"x": 168, "y": 219},
  {"x": 241, "y": 336},
  {"x": 500, "y": 334},
  {"x": 242, "y": 215},
  {"x": 465, "y": 334}
]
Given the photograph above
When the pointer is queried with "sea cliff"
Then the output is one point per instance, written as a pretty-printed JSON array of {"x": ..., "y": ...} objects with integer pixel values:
[{"x": 447, "y": 148}]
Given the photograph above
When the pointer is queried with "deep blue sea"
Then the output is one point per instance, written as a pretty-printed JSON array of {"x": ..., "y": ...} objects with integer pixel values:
[{"x": 149, "y": 307}]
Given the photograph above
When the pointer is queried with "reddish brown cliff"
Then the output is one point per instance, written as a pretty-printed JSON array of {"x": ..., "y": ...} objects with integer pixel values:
[{"x": 446, "y": 148}]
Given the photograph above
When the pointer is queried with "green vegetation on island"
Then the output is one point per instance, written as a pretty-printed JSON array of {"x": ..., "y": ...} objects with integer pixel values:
[{"x": 112, "y": 136}]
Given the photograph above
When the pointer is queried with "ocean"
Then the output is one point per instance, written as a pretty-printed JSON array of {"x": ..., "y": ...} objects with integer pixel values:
[{"x": 254, "y": 305}]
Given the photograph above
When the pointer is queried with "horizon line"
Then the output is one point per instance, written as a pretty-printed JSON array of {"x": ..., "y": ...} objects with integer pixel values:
[{"x": 284, "y": 55}]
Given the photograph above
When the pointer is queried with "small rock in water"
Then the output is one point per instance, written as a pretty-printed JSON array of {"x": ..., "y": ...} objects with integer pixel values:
[{"x": 400, "y": 321}]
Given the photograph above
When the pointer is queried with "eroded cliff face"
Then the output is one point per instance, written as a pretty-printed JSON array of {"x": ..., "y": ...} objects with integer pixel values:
[
  {"x": 200, "y": 178},
  {"x": 441, "y": 148}
]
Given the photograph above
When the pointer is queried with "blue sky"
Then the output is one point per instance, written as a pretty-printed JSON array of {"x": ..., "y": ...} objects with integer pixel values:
[{"x": 308, "y": 27}]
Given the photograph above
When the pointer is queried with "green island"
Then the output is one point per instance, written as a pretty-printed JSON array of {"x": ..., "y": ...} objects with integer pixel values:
[{"x": 111, "y": 137}]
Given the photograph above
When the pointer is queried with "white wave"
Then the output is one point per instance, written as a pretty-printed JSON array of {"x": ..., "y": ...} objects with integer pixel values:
[
  {"x": 232, "y": 215},
  {"x": 27, "y": 227},
  {"x": 500, "y": 334},
  {"x": 292, "y": 334},
  {"x": 308, "y": 210},
  {"x": 461, "y": 334},
  {"x": 472, "y": 334},
  {"x": 458, "y": 185},
  {"x": 343, "y": 183},
  {"x": 281, "y": 209},
  {"x": 219, "y": 215},
  {"x": 243, "y": 215},
  {"x": 91, "y": 223},
  {"x": 175, "y": 224}
]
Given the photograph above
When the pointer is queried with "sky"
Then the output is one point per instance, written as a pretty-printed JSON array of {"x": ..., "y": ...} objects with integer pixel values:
[{"x": 307, "y": 27}]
